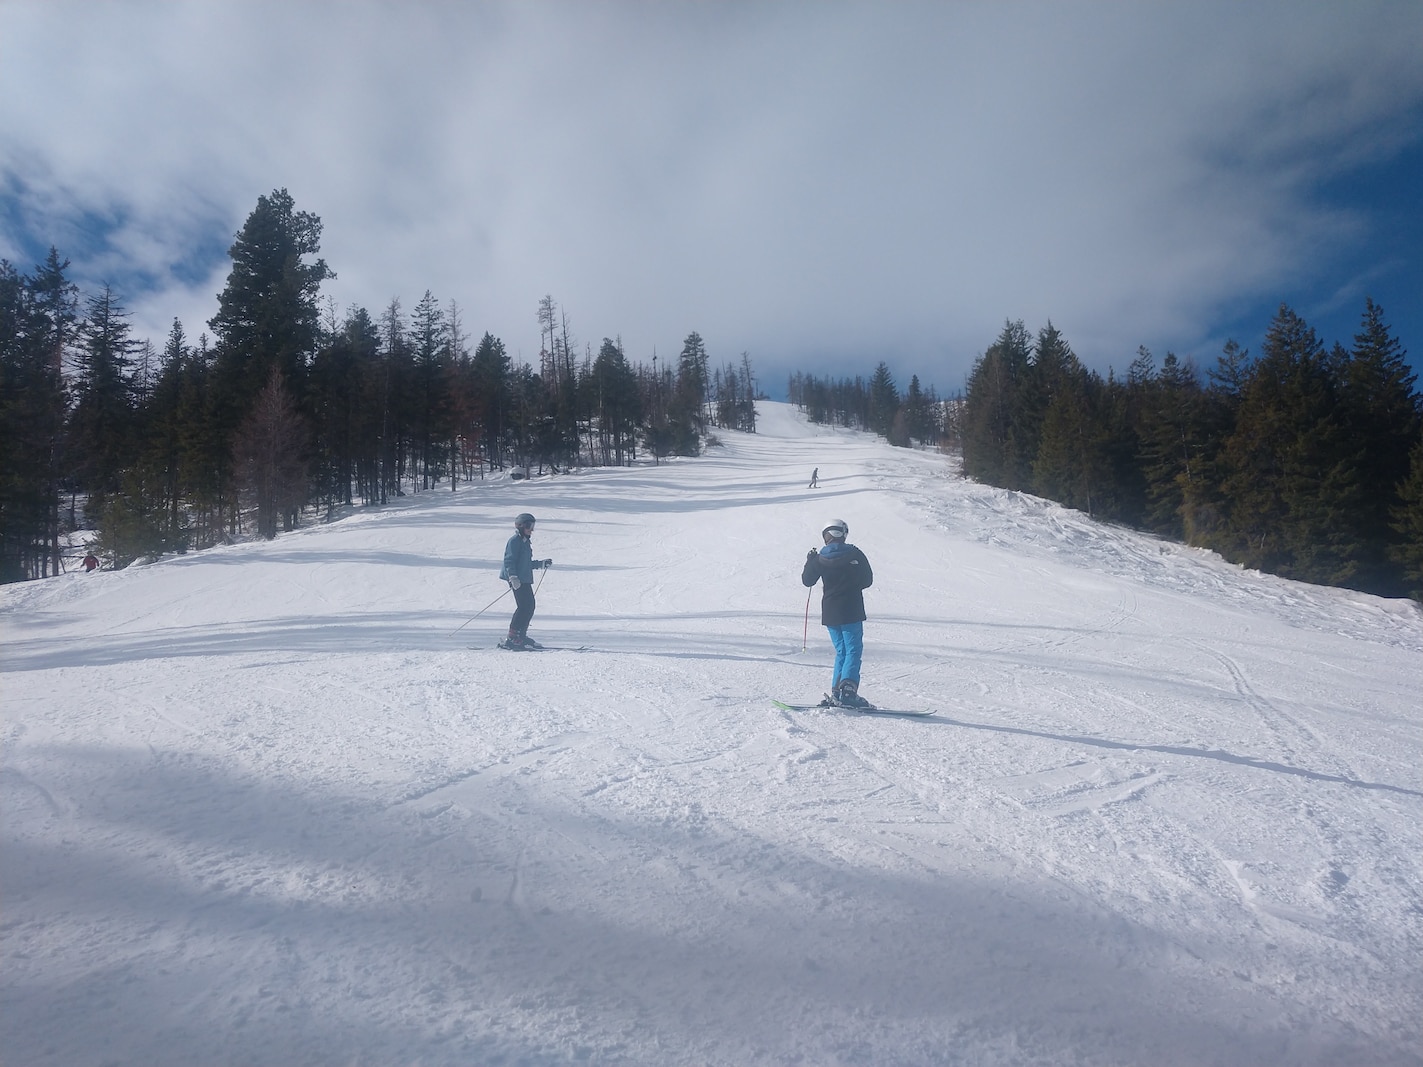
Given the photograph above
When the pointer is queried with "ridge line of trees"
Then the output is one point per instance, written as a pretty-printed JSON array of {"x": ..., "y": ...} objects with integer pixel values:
[
  {"x": 1305, "y": 462},
  {"x": 292, "y": 408},
  {"x": 919, "y": 416}
]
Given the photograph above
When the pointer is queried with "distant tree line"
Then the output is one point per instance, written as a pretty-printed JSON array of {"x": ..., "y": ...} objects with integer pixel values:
[
  {"x": 290, "y": 407},
  {"x": 1306, "y": 461},
  {"x": 917, "y": 417}
]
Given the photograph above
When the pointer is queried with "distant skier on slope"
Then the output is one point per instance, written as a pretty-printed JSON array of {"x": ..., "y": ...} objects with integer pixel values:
[
  {"x": 814, "y": 478},
  {"x": 518, "y": 571},
  {"x": 846, "y": 573}
]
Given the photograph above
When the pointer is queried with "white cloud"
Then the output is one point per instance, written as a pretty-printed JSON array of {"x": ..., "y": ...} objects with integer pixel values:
[{"x": 844, "y": 181}]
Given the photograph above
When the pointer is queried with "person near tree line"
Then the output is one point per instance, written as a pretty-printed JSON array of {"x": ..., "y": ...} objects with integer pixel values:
[
  {"x": 518, "y": 571},
  {"x": 846, "y": 574},
  {"x": 814, "y": 478},
  {"x": 91, "y": 563}
]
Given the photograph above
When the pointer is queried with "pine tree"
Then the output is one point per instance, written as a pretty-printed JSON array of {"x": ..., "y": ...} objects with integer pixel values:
[
  {"x": 1085, "y": 447},
  {"x": 267, "y": 313},
  {"x": 335, "y": 388},
  {"x": 102, "y": 423},
  {"x": 206, "y": 454},
  {"x": 1407, "y": 549},
  {"x": 993, "y": 436},
  {"x": 491, "y": 376},
  {"x": 131, "y": 519},
  {"x": 1204, "y": 508},
  {"x": 267, "y": 317},
  {"x": 432, "y": 369},
  {"x": 394, "y": 401},
  {"x": 1289, "y": 474},
  {"x": 1052, "y": 368},
  {"x": 1382, "y": 419},
  {"x": 617, "y": 404},
  {"x": 361, "y": 386},
  {"x": 147, "y": 514},
  {"x": 657, "y": 387},
  {"x": 1172, "y": 433},
  {"x": 24, "y": 508},
  {"x": 165, "y": 422},
  {"x": 37, "y": 327},
  {"x": 919, "y": 421},
  {"x": 883, "y": 403},
  {"x": 1082, "y": 430},
  {"x": 686, "y": 418},
  {"x": 459, "y": 396},
  {"x": 1070, "y": 466}
]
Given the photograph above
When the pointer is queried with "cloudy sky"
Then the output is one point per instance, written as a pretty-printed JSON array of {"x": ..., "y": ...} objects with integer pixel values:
[{"x": 823, "y": 185}]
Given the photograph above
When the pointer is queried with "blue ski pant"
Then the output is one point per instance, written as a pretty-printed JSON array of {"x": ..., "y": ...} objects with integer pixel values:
[{"x": 849, "y": 642}]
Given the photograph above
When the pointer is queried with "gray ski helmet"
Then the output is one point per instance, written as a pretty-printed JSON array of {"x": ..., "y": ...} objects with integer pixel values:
[
  {"x": 838, "y": 528},
  {"x": 523, "y": 519}
]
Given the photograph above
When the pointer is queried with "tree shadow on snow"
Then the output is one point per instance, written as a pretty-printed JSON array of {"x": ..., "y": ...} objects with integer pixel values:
[
  {"x": 1174, "y": 750},
  {"x": 179, "y": 909}
]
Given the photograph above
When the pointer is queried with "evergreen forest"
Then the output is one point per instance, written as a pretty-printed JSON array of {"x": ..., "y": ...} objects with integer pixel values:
[
  {"x": 291, "y": 410},
  {"x": 1306, "y": 461}
]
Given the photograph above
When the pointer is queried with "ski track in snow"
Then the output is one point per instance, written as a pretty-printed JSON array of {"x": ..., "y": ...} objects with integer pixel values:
[{"x": 265, "y": 804}]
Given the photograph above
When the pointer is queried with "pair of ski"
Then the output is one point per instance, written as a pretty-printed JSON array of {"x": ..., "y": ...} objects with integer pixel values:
[
  {"x": 540, "y": 648},
  {"x": 869, "y": 710}
]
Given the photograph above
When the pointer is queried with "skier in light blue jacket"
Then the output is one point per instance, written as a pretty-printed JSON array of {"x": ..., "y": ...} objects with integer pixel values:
[{"x": 518, "y": 571}]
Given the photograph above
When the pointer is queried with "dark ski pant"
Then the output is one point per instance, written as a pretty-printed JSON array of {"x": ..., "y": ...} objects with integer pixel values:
[{"x": 523, "y": 609}]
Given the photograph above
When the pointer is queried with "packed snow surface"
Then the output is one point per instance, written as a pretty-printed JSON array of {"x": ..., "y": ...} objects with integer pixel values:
[{"x": 276, "y": 803}]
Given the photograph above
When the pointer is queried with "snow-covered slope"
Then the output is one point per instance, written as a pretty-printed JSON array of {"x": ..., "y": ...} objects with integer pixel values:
[{"x": 266, "y": 805}]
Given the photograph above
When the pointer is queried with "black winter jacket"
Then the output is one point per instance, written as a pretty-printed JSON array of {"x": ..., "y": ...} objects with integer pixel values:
[{"x": 847, "y": 574}]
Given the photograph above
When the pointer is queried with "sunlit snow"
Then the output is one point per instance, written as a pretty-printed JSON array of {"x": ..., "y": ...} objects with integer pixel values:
[{"x": 283, "y": 803}]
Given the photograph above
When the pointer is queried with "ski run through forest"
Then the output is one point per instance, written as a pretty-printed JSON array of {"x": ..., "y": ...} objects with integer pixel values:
[{"x": 282, "y": 802}]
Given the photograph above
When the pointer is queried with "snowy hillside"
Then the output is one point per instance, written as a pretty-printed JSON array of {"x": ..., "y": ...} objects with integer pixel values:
[{"x": 266, "y": 805}]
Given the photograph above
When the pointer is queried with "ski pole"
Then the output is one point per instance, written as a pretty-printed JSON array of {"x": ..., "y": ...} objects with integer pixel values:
[
  {"x": 805, "y": 634},
  {"x": 480, "y": 612}
]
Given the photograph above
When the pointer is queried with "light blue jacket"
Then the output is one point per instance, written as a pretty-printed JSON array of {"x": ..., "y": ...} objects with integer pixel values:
[{"x": 519, "y": 560}]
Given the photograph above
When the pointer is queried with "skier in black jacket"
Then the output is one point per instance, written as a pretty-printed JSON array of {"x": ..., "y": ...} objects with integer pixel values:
[{"x": 846, "y": 573}]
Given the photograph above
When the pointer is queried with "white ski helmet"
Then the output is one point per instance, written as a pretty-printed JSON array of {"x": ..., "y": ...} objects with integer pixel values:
[
  {"x": 836, "y": 528},
  {"x": 523, "y": 519}
]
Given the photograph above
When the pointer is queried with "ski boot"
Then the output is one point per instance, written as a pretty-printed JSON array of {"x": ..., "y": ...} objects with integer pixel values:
[{"x": 847, "y": 695}]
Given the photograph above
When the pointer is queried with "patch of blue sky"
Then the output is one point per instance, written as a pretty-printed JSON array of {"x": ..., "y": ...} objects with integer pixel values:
[
  {"x": 105, "y": 245},
  {"x": 1384, "y": 262},
  {"x": 21, "y": 240}
]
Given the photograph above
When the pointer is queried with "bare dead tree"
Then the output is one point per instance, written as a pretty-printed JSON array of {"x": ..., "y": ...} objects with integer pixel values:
[{"x": 270, "y": 458}]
